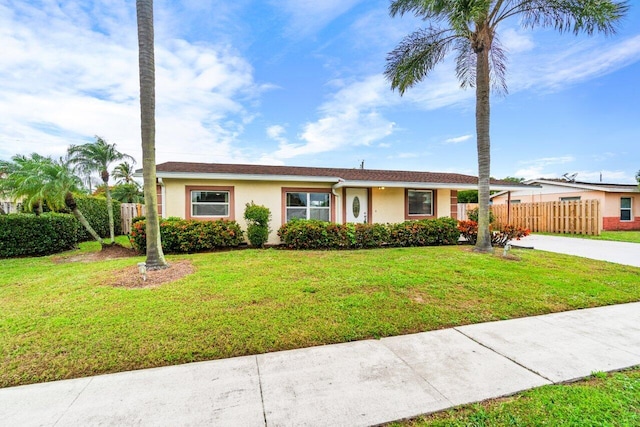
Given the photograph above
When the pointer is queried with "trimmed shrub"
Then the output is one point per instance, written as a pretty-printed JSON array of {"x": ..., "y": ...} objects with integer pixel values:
[
  {"x": 314, "y": 234},
  {"x": 257, "y": 218},
  {"x": 95, "y": 211},
  {"x": 500, "y": 237},
  {"x": 371, "y": 235},
  {"x": 425, "y": 232},
  {"x": 189, "y": 236},
  {"x": 30, "y": 235}
]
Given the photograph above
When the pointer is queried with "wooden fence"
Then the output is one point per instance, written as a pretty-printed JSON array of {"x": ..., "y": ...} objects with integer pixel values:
[
  {"x": 573, "y": 217},
  {"x": 128, "y": 211}
]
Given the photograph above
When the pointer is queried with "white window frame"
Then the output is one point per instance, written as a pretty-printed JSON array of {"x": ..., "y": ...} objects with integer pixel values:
[
  {"x": 308, "y": 206},
  {"x": 409, "y": 203},
  {"x": 570, "y": 199},
  {"x": 227, "y": 203},
  {"x": 629, "y": 209}
]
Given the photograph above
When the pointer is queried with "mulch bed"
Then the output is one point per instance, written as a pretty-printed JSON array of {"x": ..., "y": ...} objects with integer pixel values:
[{"x": 130, "y": 277}]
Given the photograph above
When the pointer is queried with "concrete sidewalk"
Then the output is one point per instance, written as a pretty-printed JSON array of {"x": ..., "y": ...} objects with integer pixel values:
[
  {"x": 618, "y": 252},
  {"x": 353, "y": 384}
]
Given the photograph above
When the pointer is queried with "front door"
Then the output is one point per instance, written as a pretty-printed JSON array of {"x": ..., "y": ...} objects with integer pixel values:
[{"x": 357, "y": 205}]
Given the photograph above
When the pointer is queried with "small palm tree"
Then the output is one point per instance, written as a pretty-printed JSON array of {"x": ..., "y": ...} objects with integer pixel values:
[
  {"x": 38, "y": 179},
  {"x": 98, "y": 156},
  {"x": 469, "y": 27},
  {"x": 123, "y": 173}
]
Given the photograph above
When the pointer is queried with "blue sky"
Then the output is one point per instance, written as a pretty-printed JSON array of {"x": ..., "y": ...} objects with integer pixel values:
[{"x": 299, "y": 82}]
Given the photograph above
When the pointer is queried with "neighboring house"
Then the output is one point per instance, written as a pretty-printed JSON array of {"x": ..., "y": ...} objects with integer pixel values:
[
  {"x": 619, "y": 203},
  {"x": 214, "y": 191}
]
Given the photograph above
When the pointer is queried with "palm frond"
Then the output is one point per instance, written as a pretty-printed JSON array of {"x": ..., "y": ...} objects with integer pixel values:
[
  {"x": 576, "y": 16},
  {"x": 425, "y": 9},
  {"x": 498, "y": 67},
  {"x": 416, "y": 55},
  {"x": 466, "y": 65}
]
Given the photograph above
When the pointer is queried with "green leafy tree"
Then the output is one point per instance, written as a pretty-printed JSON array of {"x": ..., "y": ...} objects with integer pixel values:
[
  {"x": 127, "y": 193},
  {"x": 468, "y": 196},
  {"x": 638, "y": 178},
  {"x": 98, "y": 156},
  {"x": 513, "y": 179},
  {"x": 144, "y": 12},
  {"x": 469, "y": 27},
  {"x": 37, "y": 179}
]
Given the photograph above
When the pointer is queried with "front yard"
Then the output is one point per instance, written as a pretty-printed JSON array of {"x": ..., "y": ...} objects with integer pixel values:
[{"x": 63, "y": 318}]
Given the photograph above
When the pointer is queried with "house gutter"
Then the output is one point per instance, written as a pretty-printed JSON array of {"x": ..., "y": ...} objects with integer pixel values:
[{"x": 415, "y": 185}]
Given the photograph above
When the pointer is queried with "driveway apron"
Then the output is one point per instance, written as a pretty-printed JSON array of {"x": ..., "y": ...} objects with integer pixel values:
[{"x": 616, "y": 252}]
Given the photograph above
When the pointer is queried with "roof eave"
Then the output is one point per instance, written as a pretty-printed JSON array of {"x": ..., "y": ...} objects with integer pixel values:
[{"x": 244, "y": 177}]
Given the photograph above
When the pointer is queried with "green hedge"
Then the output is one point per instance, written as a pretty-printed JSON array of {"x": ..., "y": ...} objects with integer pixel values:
[
  {"x": 189, "y": 236},
  {"x": 426, "y": 232},
  {"x": 314, "y": 234},
  {"x": 30, "y": 235},
  {"x": 95, "y": 211}
]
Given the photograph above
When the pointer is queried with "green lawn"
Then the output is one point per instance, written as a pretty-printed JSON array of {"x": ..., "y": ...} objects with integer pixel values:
[
  {"x": 60, "y": 320},
  {"x": 602, "y": 400},
  {"x": 617, "y": 236}
]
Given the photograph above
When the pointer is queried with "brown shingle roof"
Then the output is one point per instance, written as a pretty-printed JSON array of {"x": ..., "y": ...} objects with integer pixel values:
[{"x": 345, "y": 174}]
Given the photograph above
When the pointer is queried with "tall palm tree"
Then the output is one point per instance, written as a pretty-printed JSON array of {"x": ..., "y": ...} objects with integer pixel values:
[
  {"x": 98, "y": 156},
  {"x": 144, "y": 11},
  {"x": 123, "y": 173},
  {"x": 469, "y": 27},
  {"x": 37, "y": 178}
]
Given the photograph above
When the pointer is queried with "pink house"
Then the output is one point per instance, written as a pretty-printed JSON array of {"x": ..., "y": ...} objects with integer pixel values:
[{"x": 619, "y": 203}]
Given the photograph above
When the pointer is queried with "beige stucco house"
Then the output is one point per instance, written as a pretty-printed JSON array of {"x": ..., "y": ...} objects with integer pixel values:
[
  {"x": 619, "y": 203},
  {"x": 213, "y": 191}
]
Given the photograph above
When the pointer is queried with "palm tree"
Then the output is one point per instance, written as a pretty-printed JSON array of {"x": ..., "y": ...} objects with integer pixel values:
[
  {"x": 24, "y": 179},
  {"x": 127, "y": 193},
  {"x": 470, "y": 28},
  {"x": 144, "y": 11},
  {"x": 37, "y": 178},
  {"x": 123, "y": 173},
  {"x": 97, "y": 156}
]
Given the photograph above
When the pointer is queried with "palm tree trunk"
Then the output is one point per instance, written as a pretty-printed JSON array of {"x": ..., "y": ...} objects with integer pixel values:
[
  {"x": 483, "y": 244},
  {"x": 110, "y": 211},
  {"x": 144, "y": 8},
  {"x": 71, "y": 204}
]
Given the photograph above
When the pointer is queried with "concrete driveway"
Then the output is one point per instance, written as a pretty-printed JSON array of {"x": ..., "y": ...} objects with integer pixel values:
[{"x": 618, "y": 252}]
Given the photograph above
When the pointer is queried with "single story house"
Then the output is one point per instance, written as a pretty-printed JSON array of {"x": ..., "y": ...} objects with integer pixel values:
[
  {"x": 619, "y": 203},
  {"x": 220, "y": 191}
]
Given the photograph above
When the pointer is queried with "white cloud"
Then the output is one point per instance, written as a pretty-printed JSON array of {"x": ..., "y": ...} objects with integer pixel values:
[
  {"x": 404, "y": 156},
  {"x": 351, "y": 117},
  {"x": 67, "y": 77},
  {"x": 580, "y": 62},
  {"x": 608, "y": 177},
  {"x": 458, "y": 139},
  {"x": 539, "y": 168},
  {"x": 516, "y": 41}
]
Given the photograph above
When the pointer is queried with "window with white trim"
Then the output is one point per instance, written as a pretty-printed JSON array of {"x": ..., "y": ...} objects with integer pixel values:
[
  {"x": 625, "y": 209},
  {"x": 209, "y": 203},
  {"x": 308, "y": 205},
  {"x": 570, "y": 199},
  {"x": 420, "y": 202}
]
